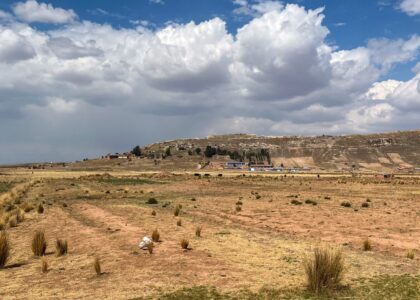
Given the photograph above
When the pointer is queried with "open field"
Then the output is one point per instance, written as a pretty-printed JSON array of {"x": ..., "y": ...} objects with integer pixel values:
[{"x": 252, "y": 236}]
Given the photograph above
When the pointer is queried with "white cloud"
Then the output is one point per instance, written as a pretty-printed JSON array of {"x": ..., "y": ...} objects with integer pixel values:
[
  {"x": 410, "y": 7},
  {"x": 276, "y": 75},
  {"x": 32, "y": 11},
  {"x": 256, "y": 8}
]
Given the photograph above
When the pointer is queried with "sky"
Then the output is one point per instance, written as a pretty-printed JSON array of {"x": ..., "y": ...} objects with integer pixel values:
[{"x": 80, "y": 79}]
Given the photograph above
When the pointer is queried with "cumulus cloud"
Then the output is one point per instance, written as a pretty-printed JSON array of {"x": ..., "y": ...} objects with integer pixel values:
[
  {"x": 410, "y": 7},
  {"x": 256, "y": 8},
  {"x": 276, "y": 75},
  {"x": 32, "y": 11}
]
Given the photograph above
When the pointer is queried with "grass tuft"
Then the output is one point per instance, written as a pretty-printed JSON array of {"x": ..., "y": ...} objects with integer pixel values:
[
  {"x": 150, "y": 247},
  {"x": 410, "y": 254},
  {"x": 39, "y": 244},
  {"x": 184, "y": 244},
  {"x": 177, "y": 211},
  {"x": 61, "y": 247},
  {"x": 155, "y": 235},
  {"x": 346, "y": 204},
  {"x": 198, "y": 231},
  {"x": 324, "y": 271},
  {"x": 44, "y": 265},
  {"x": 153, "y": 213},
  {"x": 40, "y": 209},
  {"x": 179, "y": 222},
  {"x": 367, "y": 246},
  {"x": 97, "y": 266},
  {"x": 4, "y": 249}
]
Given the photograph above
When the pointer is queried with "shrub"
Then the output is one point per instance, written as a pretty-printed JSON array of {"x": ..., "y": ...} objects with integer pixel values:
[
  {"x": 258, "y": 197},
  {"x": 39, "y": 244},
  {"x": 309, "y": 201},
  {"x": 346, "y": 204},
  {"x": 368, "y": 200},
  {"x": 44, "y": 265},
  {"x": 184, "y": 244},
  {"x": 20, "y": 216},
  {"x": 193, "y": 199},
  {"x": 64, "y": 204},
  {"x": 365, "y": 205},
  {"x": 150, "y": 247},
  {"x": 61, "y": 247},
  {"x": 153, "y": 213},
  {"x": 40, "y": 209},
  {"x": 4, "y": 249},
  {"x": 155, "y": 235},
  {"x": 325, "y": 270},
  {"x": 198, "y": 231},
  {"x": 410, "y": 254},
  {"x": 296, "y": 202},
  {"x": 367, "y": 245},
  {"x": 179, "y": 222},
  {"x": 2, "y": 226},
  {"x": 238, "y": 208},
  {"x": 151, "y": 201},
  {"x": 239, "y": 203},
  {"x": 176, "y": 211},
  {"x": 97, "y": 266},
  {"x": 327, "y": 198}
]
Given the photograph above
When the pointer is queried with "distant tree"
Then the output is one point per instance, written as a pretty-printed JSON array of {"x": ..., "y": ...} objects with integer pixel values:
[
  {"x": 168, "y": 151},
  {"x": 210, "y": 151},
  {"x": 136, "y": 151},
  {"x": 198, "y": 151}
]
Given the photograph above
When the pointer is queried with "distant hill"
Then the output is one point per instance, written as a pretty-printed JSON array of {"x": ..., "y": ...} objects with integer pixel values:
[{"x": 385, "y": 151}]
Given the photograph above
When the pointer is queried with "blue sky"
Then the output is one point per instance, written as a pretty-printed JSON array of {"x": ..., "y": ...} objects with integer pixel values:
[{"x": 85, "y": 78}]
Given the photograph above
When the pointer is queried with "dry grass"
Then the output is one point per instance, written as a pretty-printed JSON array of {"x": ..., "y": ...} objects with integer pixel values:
[
  {"x": 40, "y": 209},
  {"x": 4, "y": 249},
  {"x": 184, "y": 244},
  {"x": 324, "y": 271},
  {"x": 155, "y": 235},
  {"x": 44, "y": 265},
  {"x": 198, "y": 231},
  {"x": 39, "y": 243},
  {"x": 153, "y": 213},
  {"x": 150, "y": 247},
  {"x": 367, "y": 246},
  {"x": 410, "y": 254},
  {"x": 61, "y": 247},
  {"x": 97, "y": 266},
  {"x": 177, "y": 211},
  {"x": 13, "y": 221},
  {"x": 179, "y": 222}
]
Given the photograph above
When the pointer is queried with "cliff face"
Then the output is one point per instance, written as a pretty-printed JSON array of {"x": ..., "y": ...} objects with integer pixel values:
[{"x": 375, "y": 151}]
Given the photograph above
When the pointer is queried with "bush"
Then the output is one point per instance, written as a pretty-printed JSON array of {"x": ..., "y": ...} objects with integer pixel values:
[
  {"x": 4, "y": 249},
  {"x": 238, "y": 208},
  {"x": 97, "y": 266},
  {"x": 176, "y": 211},
  {"x": 346, "y": 204},
  {"x": 179, "y": 222},
  {"x": 296, "y": 202},
  {"x": 367, "y": 245},
  {"x": 61, "y": 247},
  {"x": 309, "y": 201},
  {"x": 39, "y": 244},
  {"x": 40, "y": 209},
  {"x": 365, "y": 205},
  {"x": 28, "y": 208},
  {"x": 325, "y": 270},
  {"x": 257, "y": 197},
  {"x": 239, "y": 203},
  {"x": 153, "y": 213},
  {"x": 184, "y": 244},
  {"x": 155, "y": 235},
  {"x": 198, "y": 231},
  {"x": 151, "y": 201},
  {"x": 44, "y": 265}
]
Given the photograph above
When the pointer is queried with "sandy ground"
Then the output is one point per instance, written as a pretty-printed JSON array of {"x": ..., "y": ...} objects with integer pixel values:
[{"x": 262, "y": 245}]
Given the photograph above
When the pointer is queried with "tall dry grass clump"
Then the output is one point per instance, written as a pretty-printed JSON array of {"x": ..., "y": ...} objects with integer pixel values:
[
  {"x": 150, "y": 247},
  {"x": 44, "y": 265},
  {"x": 61, "y": 247},
  {"x": 39, "y": 243},
  {"x": 97, "y": 266},
  {"x": 198, "y": 231},
  {"x": 4, "y": 249},
  {"x": 324, "y": 271},
  {"x": 367, "y": 246},
  {"x": 177, "y": 211},
  {"x": 155, "y": 235},
  {"x": 184, "y": 244}
]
